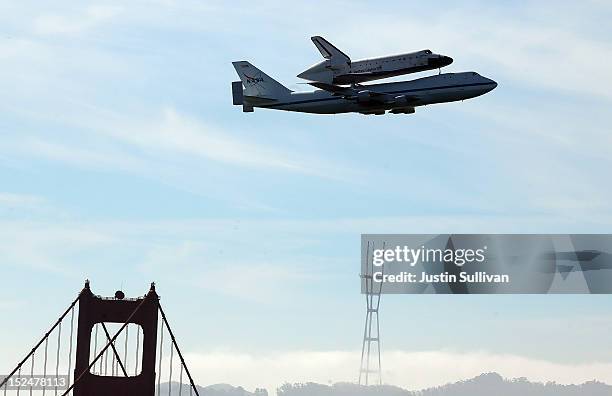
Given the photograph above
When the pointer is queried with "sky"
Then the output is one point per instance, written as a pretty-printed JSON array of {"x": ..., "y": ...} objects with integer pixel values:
[{"x": 123, "y": 161}]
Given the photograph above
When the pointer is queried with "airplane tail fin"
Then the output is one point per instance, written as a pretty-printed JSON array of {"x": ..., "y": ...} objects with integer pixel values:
[
  {"x": 257, "y": 83},
  {"x": 329, "y": 51}
]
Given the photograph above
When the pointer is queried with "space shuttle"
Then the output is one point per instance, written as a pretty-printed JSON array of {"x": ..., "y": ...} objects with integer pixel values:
[{"x": 339, "y": 69}]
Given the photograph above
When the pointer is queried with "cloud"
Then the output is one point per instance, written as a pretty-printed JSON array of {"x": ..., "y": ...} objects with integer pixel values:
[
  {"x": 20, "y": 200},
  {"x": 10, "y": 305},
  {"x": 246, "y": 259},
  {"x": 89, "y": 18},
  {"x": 217, "y": 263},
  {"x": 51, "y": 247},
  {"x": 175, "y": 133},
  {"x": 255, "y": 281},
  {"x": 168, "y": 144},
  {"x": 19, "y": 206},
  {"x": 410, "y": 370},
  {"x": 103, "y": 158}
]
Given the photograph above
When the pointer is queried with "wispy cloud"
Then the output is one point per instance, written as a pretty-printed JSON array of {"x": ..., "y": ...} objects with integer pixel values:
[
  {"x": 178, "y": 134},
  {"x": 233, "y": 252},
  {"x": 78, "y": 155},
  {"x": 88, "y": 18},
  {"x": 20, "y": 206},
  {"x": 10, "y": 305},
  {"x": 49, "y": 247},
  {"x": 168, "y": 140},
  {"x": 216, "y": 262},
  {"x": 20, "y": 200}
]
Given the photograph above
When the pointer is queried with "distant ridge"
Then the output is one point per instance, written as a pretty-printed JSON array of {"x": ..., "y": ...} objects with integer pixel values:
[
  {"x": 488, "y": 384},
  {"x": 210, "y": 390}
]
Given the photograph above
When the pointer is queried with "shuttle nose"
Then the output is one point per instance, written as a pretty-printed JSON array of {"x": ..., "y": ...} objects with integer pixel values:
[
  {"x": 437, "y": 60},
  {"x": 491, "y": 84}
]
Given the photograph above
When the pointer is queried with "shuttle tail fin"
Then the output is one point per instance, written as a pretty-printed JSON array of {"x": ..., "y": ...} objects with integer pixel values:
[
  {"x": 329, "y": 51},
  {"x": 257, "y": 83}
]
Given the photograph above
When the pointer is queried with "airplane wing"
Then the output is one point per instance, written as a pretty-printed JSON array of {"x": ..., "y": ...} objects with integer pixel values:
[
  {"x": 365, "y": 95},
  {"x": 329, "y": 51},
  {"x": 335, "y": 89}
]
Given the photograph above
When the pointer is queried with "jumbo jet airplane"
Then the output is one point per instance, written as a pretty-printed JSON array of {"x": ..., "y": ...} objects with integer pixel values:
[
  {"x": 337, "y": 68},
  {"x": 260, "y": 90}
]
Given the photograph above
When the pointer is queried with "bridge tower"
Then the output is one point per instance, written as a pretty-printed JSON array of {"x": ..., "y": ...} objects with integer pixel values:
[
  {"x": 94, "y": 310},
  {"x": 91, "y": 375}
]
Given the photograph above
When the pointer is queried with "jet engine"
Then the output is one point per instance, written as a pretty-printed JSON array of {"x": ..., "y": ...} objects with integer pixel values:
[
  {"x": 400, "y": 100},
  {"x": 403, "y": 110},
  {"x": 364, "y": 96},
  {"x": 373, "y": 112}
]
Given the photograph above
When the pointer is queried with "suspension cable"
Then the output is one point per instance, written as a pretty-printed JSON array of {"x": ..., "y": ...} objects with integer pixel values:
[
  {"x": 113, "y": 365},
  {"x": 125, "y": 349},
  {"x": 105, "y": 363},
  {"x": 165, "y": 321},
  {"x": 102, "y": 362},
  {"x": 106, "y": 347},
  {"x": 161, "y": 354},
  {"x": 70, "y": 350},
  {"x": 95, "y": 340},
  {"x": 137, "y": 349},
  {"x": 31, "y": 373},
  {"x": 181, "y": 381},
  {"x": 18, "y": 376},
  {"x": 45, "y": 364},
  {"x": 170, "y": 375},
  {"x": 57, "y": 358},
  {"x": 5, "y": 380}
]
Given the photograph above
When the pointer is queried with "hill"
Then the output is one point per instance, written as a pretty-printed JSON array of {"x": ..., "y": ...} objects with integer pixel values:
[{"x": 483, "y": 385}]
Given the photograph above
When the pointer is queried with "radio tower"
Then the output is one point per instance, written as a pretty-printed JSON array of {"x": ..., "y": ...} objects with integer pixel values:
[{"x": 371, "y": 331}]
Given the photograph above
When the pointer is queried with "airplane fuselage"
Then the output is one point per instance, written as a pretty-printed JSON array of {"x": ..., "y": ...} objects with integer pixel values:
[
  {"x": 448, "y": 87},
  {"x": 354, "y": 72}
]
